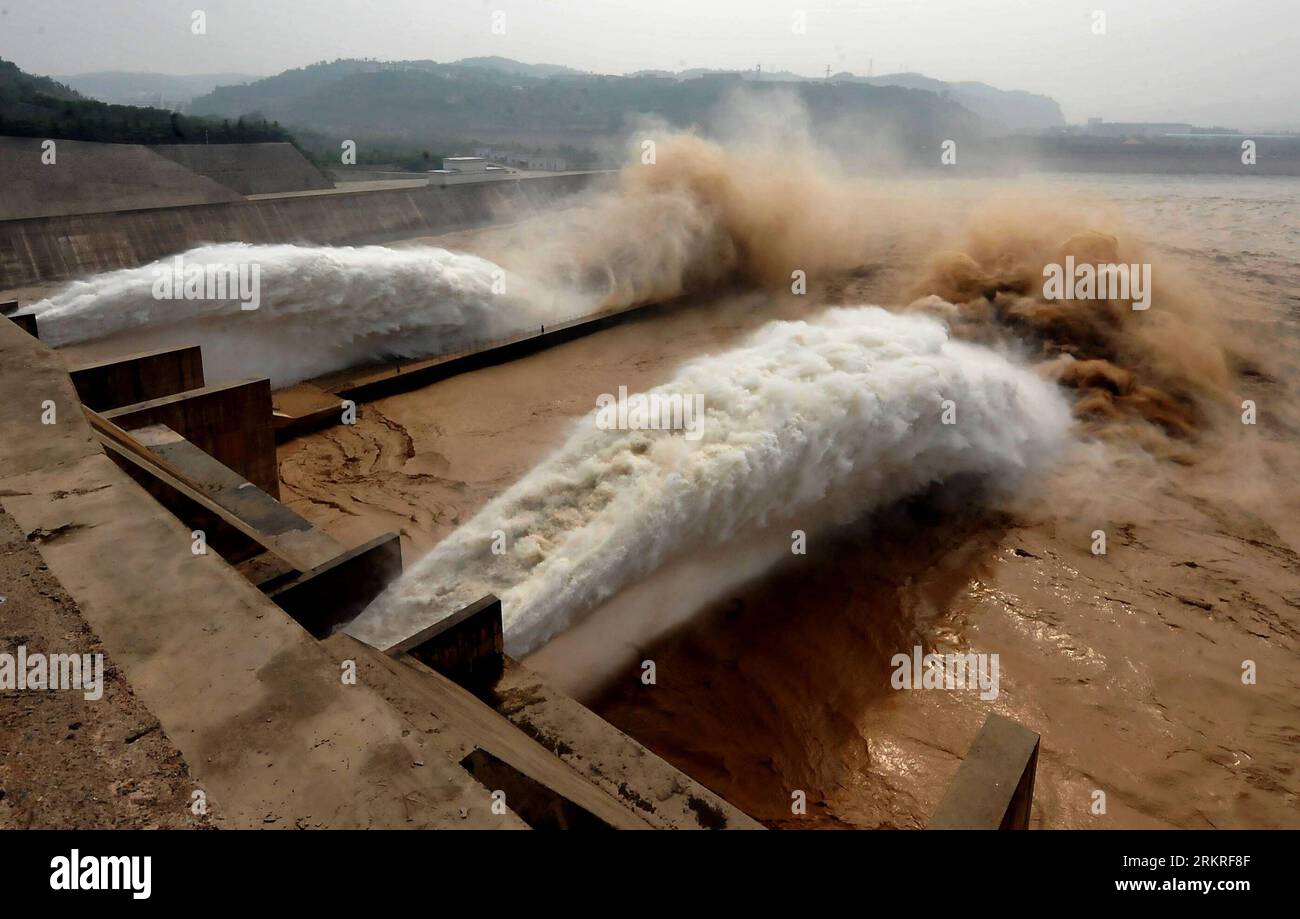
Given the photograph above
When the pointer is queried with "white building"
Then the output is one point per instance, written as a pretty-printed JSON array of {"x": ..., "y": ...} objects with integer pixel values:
[
  {"x": 459, "y": 170},
  {"x": 533, "y": 161},
  {"x": 464, "y": 164}
]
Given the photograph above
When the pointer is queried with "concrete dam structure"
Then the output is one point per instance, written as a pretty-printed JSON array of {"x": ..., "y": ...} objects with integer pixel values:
[
  {"x": 166, "y": 502},
  {"x": 233, "y": 647}
]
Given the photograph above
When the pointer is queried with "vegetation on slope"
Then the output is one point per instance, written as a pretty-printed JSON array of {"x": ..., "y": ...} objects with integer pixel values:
[{"x": 32, "y": 106}]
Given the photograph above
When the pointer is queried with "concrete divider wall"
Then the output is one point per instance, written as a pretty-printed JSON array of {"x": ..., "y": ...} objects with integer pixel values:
[
  {"x": 119, "y": 381},
  {"x": 231, "y": 422},
  {"x": 45, "y": 249}
]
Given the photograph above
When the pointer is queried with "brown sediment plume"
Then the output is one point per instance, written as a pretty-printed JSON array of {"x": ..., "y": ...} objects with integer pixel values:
[
  {"x": 1166, "y": 365},
  {"x": 755, "y": 220},
  {"x": 774, "y": 219},
  {"x": 704, "y": 214}
]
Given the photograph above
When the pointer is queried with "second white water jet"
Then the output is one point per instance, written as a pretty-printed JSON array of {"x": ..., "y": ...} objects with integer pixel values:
[
  {"x": 805, "y": 422},
  {"x": 319, "y": 308}
]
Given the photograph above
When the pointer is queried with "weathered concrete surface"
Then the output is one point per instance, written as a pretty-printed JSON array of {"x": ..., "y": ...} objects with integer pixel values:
[
  {"x": 438, "y": 708},
  {"x": 119, "y": 381},
  {"x": 252, "y": 701},
  {"x": 91, "y": 178},
  {"x": 249, "y": 169},
  {"x": 45, "y": 249},
  {"x": 608, "y": 758},
  {"x": 31, "y": 375},
  {"x": 259, "y": 711},
  {"x": 67, "y": 761},
  {"x": 337, "y": 591},
  {"x": 467, "y": 646},
  {"x": 238, "y": 519},
  {"x": 303, "y": 408},
  {"x": 220, "y": 483},
  {"x": 231, "y": 422},
  {"x": 28, "y": 323},
  {"x": 994, "y": 786}
]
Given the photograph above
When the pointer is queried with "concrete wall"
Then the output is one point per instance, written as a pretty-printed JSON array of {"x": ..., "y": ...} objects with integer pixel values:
[
  {"x": 49, "y": 249},
  {"x": 119, "y": 381},
  {"x": 231, "y": 422},
  {"x": 336, "y": 592},
  {"x": 250, "y": 169}
]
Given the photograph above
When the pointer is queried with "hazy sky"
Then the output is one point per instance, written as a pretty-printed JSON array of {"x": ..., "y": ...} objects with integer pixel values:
[{"x": 1231, "y": 62}]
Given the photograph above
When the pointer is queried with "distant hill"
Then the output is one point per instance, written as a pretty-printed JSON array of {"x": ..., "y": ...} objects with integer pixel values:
[
  {"x": 1011, "y": 110},
  {"x": 1014, "y": 109},
  {"x": 161, "y": 90},
  {"x": 32, "y": 106},
  {"x": 494, "y": 100},
  {"x": 506, "y": 65},
  {"x": 17, "y": 87}
]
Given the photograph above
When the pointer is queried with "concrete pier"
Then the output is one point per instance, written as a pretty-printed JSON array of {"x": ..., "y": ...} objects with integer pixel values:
[
  {"x": 467, "y": 646},
  {"x": 336, "y": 592},
  {"x": 119, "y": 381},
  {"x": 994, "y": 786},
  {"x": 238, "y": 519},
  {"x": 27, "y": 322},
  {"x": 230, "y": 421}
]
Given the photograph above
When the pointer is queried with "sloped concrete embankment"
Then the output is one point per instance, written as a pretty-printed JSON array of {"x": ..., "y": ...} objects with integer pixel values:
[
  {"x": 79, "y": 177},
  {"x": 48, "y": 249},
  {"x": 250, "y": 169}
]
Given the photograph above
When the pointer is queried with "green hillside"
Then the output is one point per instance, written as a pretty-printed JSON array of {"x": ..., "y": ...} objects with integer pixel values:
[{"x": 32, "y": 106}]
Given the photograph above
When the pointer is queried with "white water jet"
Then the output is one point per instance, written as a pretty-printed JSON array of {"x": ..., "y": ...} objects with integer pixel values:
[
  {"x": 804, "y": 422},
  {"x": 320, "y": 308}
]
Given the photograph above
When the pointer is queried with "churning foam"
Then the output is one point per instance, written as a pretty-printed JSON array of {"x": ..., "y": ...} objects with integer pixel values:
[
  {"x": 805, "y": 422},
  {"x": 321, "y": 308}
]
